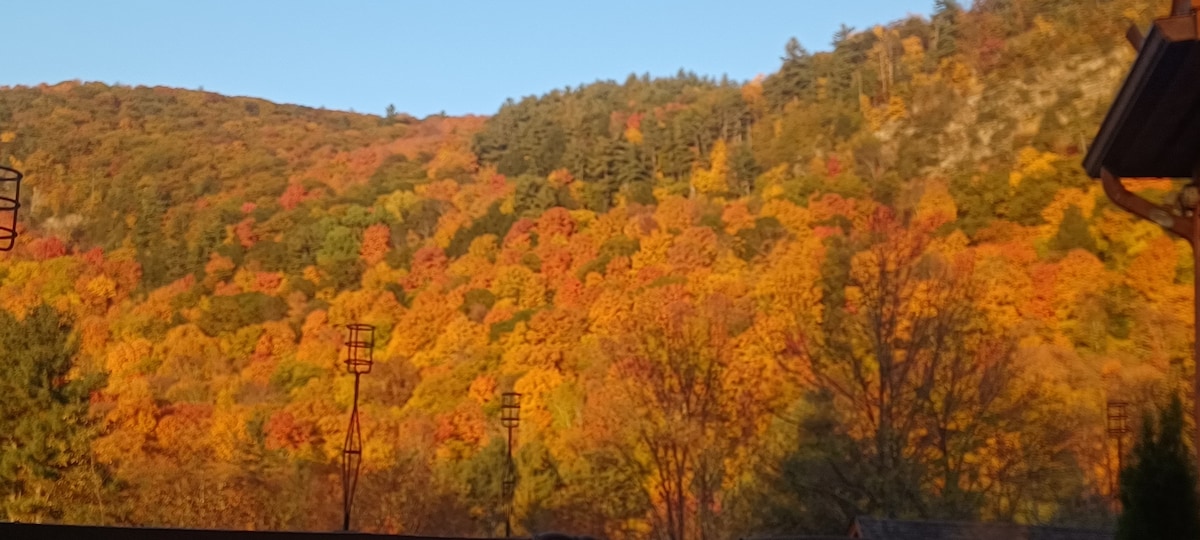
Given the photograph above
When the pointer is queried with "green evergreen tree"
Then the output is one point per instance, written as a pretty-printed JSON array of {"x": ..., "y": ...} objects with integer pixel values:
[
  {"x": 632, "y": 164},
  {"x": 1158, "y": 489},
  {"x": 531, "y": 197},
  {"x": 338, "y": 257},
  {"x": 946, "y": 14},
  {"x": 849, "y": 53},
  {"x": 45, "y": 430},
  {"x": 675, "y": 159},
  {"x": 1073, "y": 232},
  {"x": 148, "y": 234},
  {"x": 795, "y": 77},
  {"x": 744, "y": 169}
]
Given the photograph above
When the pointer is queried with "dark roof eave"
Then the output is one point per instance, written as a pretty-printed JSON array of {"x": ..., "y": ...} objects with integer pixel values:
[{"x": 1170, "y": 44}]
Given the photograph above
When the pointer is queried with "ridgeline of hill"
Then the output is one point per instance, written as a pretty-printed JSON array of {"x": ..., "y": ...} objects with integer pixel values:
[{"x": 876, "y": 281}]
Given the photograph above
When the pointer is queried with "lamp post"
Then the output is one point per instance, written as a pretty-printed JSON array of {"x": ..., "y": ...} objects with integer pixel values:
[
  {"x": 360, "y": 346},
  {"x": 1152, "y": 130},
  {"x": 1117, "y": 427},
  {"x": 510, "y": 418},
  {"x": 10, "y": 203}
]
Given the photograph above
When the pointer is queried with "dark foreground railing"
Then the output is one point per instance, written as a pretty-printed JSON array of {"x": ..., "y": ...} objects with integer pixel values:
[{"x": 26, "y": 531}]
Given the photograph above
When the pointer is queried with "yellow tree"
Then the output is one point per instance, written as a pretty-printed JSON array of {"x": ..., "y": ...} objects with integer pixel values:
[
  {"x": 668, "y": 381},
  {"x": 911, "y": 389},
  {"x": 713, "y": 180}
]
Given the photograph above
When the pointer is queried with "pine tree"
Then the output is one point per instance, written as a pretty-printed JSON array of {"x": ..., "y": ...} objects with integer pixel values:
[
  {"x": 1158, "y": 490},
  {"x": 632, "y": 164},
  {"x": 848, "y": 55},
  {"x": 148, "y": 234},
  {"x": 744, "y": 169},
  {"x": 45, "y": 430},
  {"x": 795, "y": 77},
  {"x": 945, "y": 18},
  {"x": 1073, "y": 232}
]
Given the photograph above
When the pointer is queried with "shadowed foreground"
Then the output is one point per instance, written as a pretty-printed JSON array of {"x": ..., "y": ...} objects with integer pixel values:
[{"x": 24, "y": 531}]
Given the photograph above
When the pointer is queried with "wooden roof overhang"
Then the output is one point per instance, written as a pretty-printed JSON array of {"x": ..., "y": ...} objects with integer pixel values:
[{"x": 1153, "y": 127}]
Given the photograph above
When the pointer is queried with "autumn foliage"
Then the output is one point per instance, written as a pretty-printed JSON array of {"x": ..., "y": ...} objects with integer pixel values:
[{"x": 868, "y": 283}]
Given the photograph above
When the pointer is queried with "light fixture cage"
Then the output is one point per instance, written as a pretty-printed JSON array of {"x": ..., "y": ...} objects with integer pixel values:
[
  {"x": 10, "y": 204},
  {"x": 360, "y": 347},
  {"x": 1118, "y": 418},
  {"x": 510, "y": 410}
]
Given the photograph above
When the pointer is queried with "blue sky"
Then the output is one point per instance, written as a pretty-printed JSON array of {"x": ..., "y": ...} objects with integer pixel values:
[{"x": 455, "y": 56}]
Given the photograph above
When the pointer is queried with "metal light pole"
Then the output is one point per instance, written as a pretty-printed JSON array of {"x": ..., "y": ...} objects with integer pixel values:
[
  {"x": 1152, "y": 130},
  {"x": 10, "y": 203},
  {"x": 360, "y": 346},
  {"x": 510, "y": 418},
  {"x": 1118, "y": 426}
]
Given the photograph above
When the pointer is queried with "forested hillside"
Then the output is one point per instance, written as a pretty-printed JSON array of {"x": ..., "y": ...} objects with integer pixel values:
[{"x": 876, "y": 281}]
